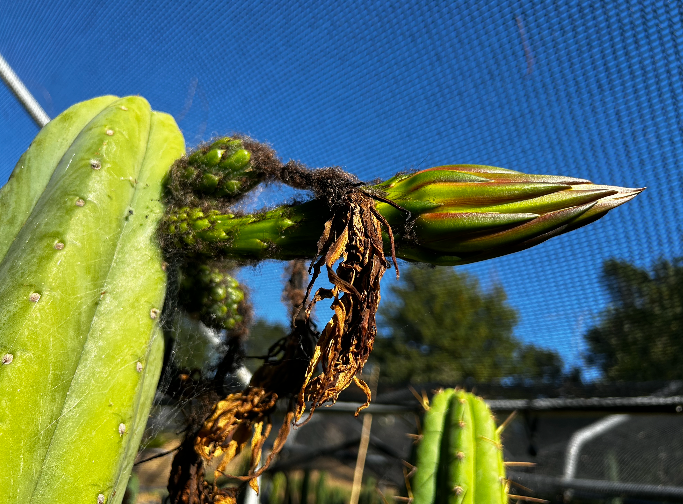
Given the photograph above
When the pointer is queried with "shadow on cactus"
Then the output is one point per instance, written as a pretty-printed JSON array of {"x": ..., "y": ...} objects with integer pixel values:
[{"x": 78, "y": 252}]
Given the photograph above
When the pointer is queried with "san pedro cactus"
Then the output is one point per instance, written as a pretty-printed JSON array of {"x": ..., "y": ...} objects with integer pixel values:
[
  {"x": 86, "y": 212},
  {"x": 459, "y": 456},
  {"x": 82, "y": 288}
]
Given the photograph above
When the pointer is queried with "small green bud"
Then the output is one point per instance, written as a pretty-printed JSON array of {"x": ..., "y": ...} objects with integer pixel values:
[
  {"x": 213, "y": 157},
  {"x": 235, "y": 295},
  {"x": 238, "y": 160},
  {"x": 200, "y": 224},
  {"x": 209, "y": 182},
  {"x": 218, "y": 293},
  {"x": 196, "y": 157},
  {"x": 211, "y": 294},
  {"x": 231, "y": 187},
  {"x": 226, "y": 143}
]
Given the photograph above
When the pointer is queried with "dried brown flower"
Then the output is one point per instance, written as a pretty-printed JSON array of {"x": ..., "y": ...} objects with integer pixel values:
[{"x": 353, "y": 234}]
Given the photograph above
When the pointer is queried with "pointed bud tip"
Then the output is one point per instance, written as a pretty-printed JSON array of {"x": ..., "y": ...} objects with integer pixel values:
[{"x": 621, "y": 196}]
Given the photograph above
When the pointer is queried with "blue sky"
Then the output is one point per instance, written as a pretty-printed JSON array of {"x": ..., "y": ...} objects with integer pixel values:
[{"x": 585, "y": 89}]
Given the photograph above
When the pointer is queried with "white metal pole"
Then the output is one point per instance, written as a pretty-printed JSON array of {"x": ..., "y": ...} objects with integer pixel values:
[
  {"x": 580, "y": 438},
  {"x": 23, "y": 95}
]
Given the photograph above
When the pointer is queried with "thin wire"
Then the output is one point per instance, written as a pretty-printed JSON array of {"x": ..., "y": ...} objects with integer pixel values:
[{"x": 23, "y": 95}]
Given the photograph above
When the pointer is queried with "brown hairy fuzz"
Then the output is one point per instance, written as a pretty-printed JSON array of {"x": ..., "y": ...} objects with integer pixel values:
[
  {"x": 186, "y": 483},
  {"x": 294, "y": 294},
  {"x": 354, "y": 234}
]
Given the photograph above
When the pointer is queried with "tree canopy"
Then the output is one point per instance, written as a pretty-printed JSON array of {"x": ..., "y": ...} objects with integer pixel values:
[
  {"x": 638, "y": 336},
  {"x": 438, "y": 325}
]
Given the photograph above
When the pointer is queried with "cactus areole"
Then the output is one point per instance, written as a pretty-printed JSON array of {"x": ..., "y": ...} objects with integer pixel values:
[{"x": 104, "y": 200}]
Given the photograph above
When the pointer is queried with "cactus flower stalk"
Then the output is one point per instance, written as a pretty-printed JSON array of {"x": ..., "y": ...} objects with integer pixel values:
[{"x": 447, "y": 215}]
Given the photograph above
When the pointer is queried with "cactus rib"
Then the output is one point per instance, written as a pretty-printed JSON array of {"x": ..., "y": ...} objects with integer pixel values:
[{"x": 35, "y": 167}]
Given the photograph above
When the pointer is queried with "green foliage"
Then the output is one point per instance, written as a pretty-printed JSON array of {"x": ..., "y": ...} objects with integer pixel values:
[
  {"x": 534, "y": 364},
  {"x": 288, "y": 489},
  {"x": 638, "y": 336},
  {"x": 442, "y": 327},
  {"x": 369, "y": 493}
]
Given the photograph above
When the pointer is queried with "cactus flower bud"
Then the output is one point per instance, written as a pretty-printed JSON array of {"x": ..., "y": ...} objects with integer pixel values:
[
  {"x": 212, "y": 295},
  {"x": 467, "y": 213},
  {"x": 220, "y": 170}
]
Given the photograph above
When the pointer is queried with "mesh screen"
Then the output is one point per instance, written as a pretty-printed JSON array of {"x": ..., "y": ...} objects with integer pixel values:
[{"x": 586, "y": 89}]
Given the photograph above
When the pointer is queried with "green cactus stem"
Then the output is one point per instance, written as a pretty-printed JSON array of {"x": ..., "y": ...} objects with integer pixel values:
[
  {"x": 35, "y": 167},
  {"x": 459, "y": 457},
  {"x": 82, "y": 286},
  {"x": 287, "y": 232},
  {"x": 447, "y": 215}
]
